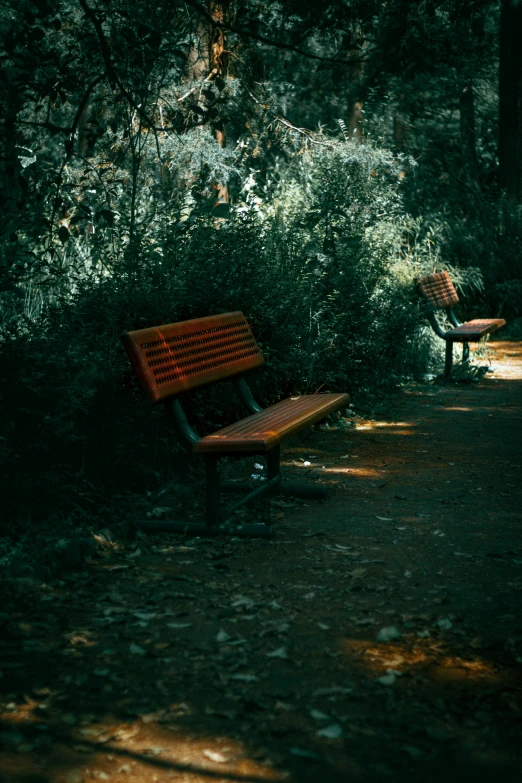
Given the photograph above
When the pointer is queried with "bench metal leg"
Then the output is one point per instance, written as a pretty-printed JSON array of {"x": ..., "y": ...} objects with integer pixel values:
[
  {"x": 254, "y": 530},
  {"x": 448, "y": 364},
  {"x": 273, "y": 463},
  {"x": 211, "y": 526},
  {"x": 296, "y": 489},
  {"x": 241, "y": 487},
  {"x": 212, "y": 499},
  {"x": 465, "y": 353}
]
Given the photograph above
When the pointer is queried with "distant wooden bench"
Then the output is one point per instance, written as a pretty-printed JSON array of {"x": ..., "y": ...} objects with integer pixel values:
[
  {"x": 440, "y": 293},
  {"x": 176, "y": 358}
]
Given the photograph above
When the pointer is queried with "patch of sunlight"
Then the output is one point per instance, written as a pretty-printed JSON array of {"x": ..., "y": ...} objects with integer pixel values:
[
  {"x": 371, "y": 425},
  {"x": 376, "y": 659},
  {"x": 453, "y": 667},
  {"x": 142, "y": 749},
  {"x": 455, "y": 408},
  {"x": 81, "y": 639},
  {"x": 369, "y": 472}
]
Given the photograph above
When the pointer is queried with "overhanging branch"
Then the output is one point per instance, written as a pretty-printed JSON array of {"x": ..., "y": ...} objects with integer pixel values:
[{"x": 269, "y": 41}]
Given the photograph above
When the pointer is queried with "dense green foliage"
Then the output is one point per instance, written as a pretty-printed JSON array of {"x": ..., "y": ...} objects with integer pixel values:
[
  {"x": 157, "y": 168},
  {"x": 321, "y": 270}
]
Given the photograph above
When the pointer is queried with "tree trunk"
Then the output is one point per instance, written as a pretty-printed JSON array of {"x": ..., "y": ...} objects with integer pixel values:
[
  {"x": 206, "y": 59},
  {"x": 399, "y": 132},
  {"x": 355, "y": 128},
  {"x": 468, "y": 139},
  {"x": 217, "y": 51},
  {"x": 510, "y": 98}
]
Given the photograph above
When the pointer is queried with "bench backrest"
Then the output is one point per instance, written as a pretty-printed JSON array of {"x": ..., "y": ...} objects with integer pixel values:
[
  {"x": 177, "y": 357},
  {"x": 438, "y": 289}
]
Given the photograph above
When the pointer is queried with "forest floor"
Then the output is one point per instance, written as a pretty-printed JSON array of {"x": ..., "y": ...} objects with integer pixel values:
[{"x": 378, "y": 636}]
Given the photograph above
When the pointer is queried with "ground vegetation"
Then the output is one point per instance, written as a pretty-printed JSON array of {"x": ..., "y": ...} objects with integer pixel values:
[{"x": 300, "y": 163}]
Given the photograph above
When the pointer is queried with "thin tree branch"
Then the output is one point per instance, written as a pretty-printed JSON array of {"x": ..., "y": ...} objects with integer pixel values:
[
  {"x": 263, "y": 38},
  {"x": 303, "y": 131},
  {"x": 81, "y": 108},
  {"x": 113, "y": 75}
]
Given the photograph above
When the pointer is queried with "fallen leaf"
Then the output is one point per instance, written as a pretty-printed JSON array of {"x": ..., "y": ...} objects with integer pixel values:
[
  {"x": 412, "y": 751},
  {"x": 244, "y": 677},
  {"x": 214, "y": 756},
  {"x": 318, "y": 715},
  {"x": 388, "y": 634},
  {"x": 279, "y": 653},
  {"x": 335, "y": 689},
  {"x": 306, "y": 754},
  {"x": 333, "y": 731},
  {"x": 387, "y": 679},
  {"x": 365, "y": 621}
]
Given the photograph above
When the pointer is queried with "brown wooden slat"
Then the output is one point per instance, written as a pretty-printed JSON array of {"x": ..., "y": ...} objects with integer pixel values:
[
  {"x": 438, "y": 289},
  {"x": 177, "y": 357},
  {"x": 473, "y": 331},
  {"x": 262, "y": 431}
]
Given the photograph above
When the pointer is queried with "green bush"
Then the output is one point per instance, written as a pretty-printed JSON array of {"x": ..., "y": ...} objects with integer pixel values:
[{"x": 318, "y": 265}]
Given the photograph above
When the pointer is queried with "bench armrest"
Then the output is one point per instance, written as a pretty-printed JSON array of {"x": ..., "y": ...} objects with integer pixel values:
[
  {"x": 435, "y": 325},
  {"x": 246, "y": 396},
  {"x": 453, "y": 318},
  {"x": 184, "y": 429}
]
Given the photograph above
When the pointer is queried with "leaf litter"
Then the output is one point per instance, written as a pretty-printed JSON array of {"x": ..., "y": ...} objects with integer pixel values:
[{"x": 247, "y": 680}]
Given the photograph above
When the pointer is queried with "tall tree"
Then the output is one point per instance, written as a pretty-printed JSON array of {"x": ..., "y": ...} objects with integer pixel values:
[{"x": 510, "y": 98}]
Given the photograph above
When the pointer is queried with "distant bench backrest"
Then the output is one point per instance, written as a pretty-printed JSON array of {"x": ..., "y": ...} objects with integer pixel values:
[
  {"x": 438, "y": 289},
  {"x": 177, "y": 357}
]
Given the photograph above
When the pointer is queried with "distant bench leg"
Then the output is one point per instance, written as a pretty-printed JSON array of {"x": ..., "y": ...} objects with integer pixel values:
[
  {"x": 448, "y": 364},
  {"x": 273, "y": 463},
  {"x": 212, "y": 498},
  {"x": 465, "y": 353}
]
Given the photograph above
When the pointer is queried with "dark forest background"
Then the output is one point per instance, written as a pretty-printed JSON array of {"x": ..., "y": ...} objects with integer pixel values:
[{"x": 302, "y": 162}]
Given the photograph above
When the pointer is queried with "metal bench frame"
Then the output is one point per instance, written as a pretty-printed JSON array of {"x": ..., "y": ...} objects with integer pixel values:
[
  {"x": 175, "y": 358},
  {"x": 440, "y": 292}
]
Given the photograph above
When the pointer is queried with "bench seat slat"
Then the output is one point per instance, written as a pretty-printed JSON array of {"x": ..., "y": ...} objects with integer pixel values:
[
  {"x": 474, "y": 330},
  {"x": 260, "y": 432}
]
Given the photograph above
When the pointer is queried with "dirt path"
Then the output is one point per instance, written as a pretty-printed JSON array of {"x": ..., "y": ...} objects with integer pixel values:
[{"x": 379, "y": 636}]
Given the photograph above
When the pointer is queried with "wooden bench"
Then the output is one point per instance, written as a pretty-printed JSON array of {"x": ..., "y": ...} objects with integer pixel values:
[
  {"x": 441, "y": 294},
  {"x": 177, "y": 358}
]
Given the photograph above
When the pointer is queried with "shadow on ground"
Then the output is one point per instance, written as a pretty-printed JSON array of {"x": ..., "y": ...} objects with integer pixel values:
[{"x": 378, "y": 636}]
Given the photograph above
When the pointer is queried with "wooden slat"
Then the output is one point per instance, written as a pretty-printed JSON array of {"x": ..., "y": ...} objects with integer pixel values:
[
  {"x": 262, "y": 431},
  {"x": 177, "y": 357},
  {"x": 473, "y": 331},
  {"x": 438, "y": 289}
]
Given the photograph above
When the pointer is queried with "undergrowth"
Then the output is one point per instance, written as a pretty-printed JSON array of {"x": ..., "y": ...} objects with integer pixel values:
[{"x": 323, "y": 266}]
